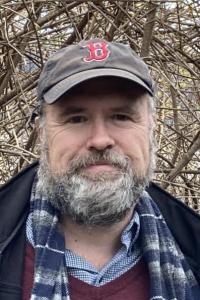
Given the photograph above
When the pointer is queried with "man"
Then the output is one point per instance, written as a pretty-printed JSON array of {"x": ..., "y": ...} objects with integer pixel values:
[{"x": 84, "y": 223}]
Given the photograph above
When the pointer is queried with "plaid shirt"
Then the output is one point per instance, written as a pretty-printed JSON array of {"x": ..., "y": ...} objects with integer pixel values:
[{"x": 126, "y": 257}]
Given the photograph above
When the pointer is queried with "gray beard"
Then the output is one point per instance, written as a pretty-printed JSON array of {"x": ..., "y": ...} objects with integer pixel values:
[{"x": 102, "y": 199}]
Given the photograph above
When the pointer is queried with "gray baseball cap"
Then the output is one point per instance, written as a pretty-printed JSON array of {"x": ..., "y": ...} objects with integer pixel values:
[{"x": 90, "y": 59}]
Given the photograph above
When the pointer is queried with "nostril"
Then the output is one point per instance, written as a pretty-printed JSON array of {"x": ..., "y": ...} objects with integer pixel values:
[
  {"x": 100, "y": 142},
  {"x": 100, "y": 149}
]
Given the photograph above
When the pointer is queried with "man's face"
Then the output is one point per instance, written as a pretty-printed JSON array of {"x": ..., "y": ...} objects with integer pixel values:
[
  {"x": 99, "y": 131},
  {"x": 99, "y": 117}
]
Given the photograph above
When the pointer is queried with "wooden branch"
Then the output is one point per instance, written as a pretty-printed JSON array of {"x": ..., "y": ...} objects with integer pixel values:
[
  {"x": 148, "y": 29},
  {"x": 185, "y": 159},
  {"x": 79, "y": 28},
  {"x": 167, "y": 171}
]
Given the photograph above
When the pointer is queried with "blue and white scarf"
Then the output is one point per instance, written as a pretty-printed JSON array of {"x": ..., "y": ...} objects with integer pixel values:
[{"x": 170, "y": 275}]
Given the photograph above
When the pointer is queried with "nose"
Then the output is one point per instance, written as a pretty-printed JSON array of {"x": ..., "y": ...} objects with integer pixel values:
[{"x": 100, "y": 138}]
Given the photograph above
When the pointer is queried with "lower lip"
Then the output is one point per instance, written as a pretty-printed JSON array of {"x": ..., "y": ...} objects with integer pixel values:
[{"x": 100, "y": 168}]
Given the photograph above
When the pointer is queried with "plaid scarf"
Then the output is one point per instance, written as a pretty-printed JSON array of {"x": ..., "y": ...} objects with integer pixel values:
[{"x": 170, "y": 275}]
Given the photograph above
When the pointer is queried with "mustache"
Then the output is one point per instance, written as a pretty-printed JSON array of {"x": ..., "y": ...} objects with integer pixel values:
[{"x": 94, "y": 158}]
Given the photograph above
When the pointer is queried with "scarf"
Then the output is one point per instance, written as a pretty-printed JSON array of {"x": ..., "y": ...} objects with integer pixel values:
[{"x": 170, "y": 274}]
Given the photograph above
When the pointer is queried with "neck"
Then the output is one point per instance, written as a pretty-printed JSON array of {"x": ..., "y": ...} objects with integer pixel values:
[{"x": 97, "y": 244}]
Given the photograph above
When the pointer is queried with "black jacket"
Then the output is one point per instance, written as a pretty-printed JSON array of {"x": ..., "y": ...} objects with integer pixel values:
[{"x": 183, "y": 222}]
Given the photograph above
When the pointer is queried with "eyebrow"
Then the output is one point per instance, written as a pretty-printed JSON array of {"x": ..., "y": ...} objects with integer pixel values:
[
  {"x": 125, "y": 109},
  {"x": 70, "y": 110}
]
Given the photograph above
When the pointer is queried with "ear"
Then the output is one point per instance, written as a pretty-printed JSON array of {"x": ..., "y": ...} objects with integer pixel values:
[
  {"x": 39, "y": 128},
  {"x": 152, "y": 121}
]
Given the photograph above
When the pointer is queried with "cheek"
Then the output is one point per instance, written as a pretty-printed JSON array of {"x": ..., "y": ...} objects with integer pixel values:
[
  {"x": 137, "y": 148},
  {"x": 62, "y": 148}
]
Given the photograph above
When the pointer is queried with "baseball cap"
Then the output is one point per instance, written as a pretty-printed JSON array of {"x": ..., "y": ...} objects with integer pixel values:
[{"x": 89, "y": 59}]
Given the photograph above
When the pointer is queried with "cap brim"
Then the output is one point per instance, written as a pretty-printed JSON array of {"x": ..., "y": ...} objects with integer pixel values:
[{"x": 63, "y": 86}]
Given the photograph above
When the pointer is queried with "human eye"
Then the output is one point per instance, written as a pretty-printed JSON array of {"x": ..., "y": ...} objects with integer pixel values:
[
  {"x": 121, "y": 117},
  {"x": 76, "y": 119}
]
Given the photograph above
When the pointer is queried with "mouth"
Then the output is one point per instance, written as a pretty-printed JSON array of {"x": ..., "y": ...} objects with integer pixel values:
[{"x": 101, "y": 166}]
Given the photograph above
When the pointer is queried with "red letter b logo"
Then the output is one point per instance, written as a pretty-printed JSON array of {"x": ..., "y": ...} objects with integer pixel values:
[{"x": 97, "y": 52}]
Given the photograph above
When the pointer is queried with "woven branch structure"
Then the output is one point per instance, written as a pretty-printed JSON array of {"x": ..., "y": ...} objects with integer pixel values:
[{"x": 165, "y": 33}]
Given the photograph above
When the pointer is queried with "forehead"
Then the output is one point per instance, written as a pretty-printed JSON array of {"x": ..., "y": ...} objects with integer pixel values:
[
  {"x": 101, "y": 93},
  {"x": 114, "y": 90}
]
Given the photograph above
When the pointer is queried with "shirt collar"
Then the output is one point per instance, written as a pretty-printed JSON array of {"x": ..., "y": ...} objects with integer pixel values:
[{"x": 130, "y": 233}]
